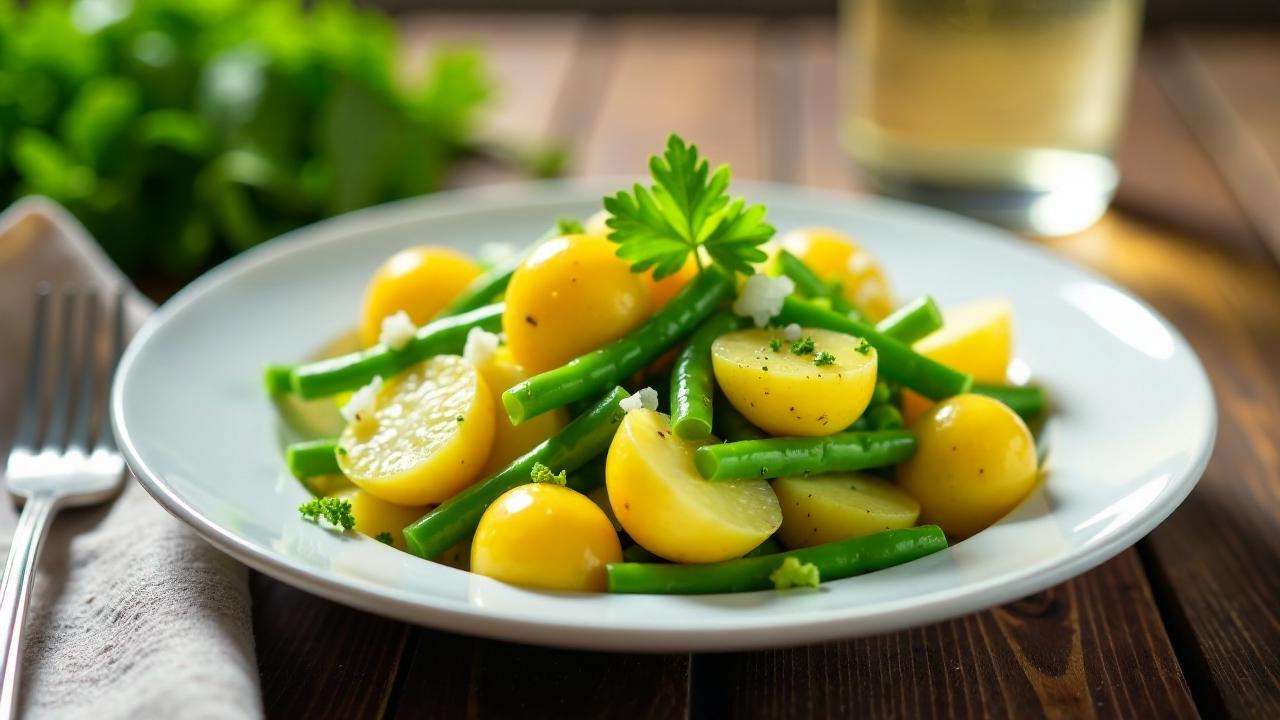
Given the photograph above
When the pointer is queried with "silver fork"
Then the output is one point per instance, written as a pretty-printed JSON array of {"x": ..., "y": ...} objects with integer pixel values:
[{"x": 63, "y": 466}]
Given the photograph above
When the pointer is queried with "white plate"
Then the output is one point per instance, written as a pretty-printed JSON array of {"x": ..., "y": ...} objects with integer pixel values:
[{"x": 1132, "y": 431}]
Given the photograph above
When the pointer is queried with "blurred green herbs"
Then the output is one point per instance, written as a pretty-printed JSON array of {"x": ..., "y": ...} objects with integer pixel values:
[{"x": 181, "y": 131}]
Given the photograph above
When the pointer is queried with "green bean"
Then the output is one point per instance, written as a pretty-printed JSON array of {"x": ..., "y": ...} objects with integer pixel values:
[
  {"x": 598, "y": 370},
  {"x": 692, "y": 382},
  {"x": 781, "y": 457},
  {"x": 912, "y": 321},
  {"x": 312, "y": 457},
  {"x": 897, "y": 361},
  {"x": 885, "y": 417},
  {"x": 446, "y": 336},
  {"x": 1026, "y": 400},
  {"x": 809, "y": 284},
  {"x": 836, "y": 560},
  {"x": 881, "y": 395},
  {"x": 731, "y": 426},
  {"x": 577, "y": 444},
  {"x": 769, "y": 547},
  {"x": 278, "y": 379}
]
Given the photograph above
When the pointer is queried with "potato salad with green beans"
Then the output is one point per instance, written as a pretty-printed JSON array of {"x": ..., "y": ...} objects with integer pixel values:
[{"x": 666, "y": 397}]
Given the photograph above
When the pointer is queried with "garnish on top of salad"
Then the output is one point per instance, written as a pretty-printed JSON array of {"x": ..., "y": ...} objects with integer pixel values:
[{"x": 724, "y": 410}]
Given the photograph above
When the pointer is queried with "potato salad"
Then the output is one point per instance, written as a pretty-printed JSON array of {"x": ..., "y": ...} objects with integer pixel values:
[{"x": 668, "y": 396}]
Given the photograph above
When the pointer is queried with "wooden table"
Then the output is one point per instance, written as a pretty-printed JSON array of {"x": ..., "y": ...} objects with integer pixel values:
[{"x": 1185, "y": 623}]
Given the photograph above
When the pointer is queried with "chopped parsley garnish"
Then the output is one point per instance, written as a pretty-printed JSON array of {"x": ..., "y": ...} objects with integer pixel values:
[
  {"x": 383, "y": 537},
  {"x": 864, "y": 347},
  {"x": 803, "y": 346},
  {"x": 775, "y": 344},
  {"x": 335, "y": 510},
  {"x": 459, "y": 418},
  {"x": 824, "y": 358},
  {"x": 793, "y": 573},
  {"x": 685, "y": 209},
  {"x": 542, "y": 474},
  {"x": 569, "y": 226}
]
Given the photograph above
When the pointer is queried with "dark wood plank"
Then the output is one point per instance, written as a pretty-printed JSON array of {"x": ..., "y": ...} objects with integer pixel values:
[
  {"x": 449, "y": 675},
  {"x": 1095, "y": 646},
  {"x": 318, "y": 659},
  {"x": 1216, "y": 562},
  {"x": 1087, "y": 648}
]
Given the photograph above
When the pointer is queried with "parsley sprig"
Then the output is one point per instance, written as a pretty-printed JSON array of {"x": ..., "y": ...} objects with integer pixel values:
[
  {"x": 687, "y": 207},
  {"x": 335, "y": 510}
]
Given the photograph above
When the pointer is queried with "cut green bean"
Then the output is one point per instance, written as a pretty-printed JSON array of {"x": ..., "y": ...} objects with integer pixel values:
[
  {"x": 809, "y": 284},
  {"x": 783, "y": 457},
  {"x": 278, "y": 379},
  {"x": 577, "y": 444},
  {"x": 1026, "y": 400},
  {"x": 692, "y": 381},
  {"x": 912, "y": 321},
  {"x": 730, "y": 425},
  {"x": 446, "y": 336},
  {"x": 769, "y": 547},
  {"x": 596, "y": 371},
  {"x": 835, "y": 561},
  {"x": 312, "y": 457},
  {"x": 897, "y": 361}
]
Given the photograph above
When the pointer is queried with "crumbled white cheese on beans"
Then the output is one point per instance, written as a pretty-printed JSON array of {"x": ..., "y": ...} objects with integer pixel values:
[
  {"x": 791, "y": 332},
  {"x": 646, "y": 398},
  {"x": 361, "y": 401},
  {"x": 397, "y": 330},
  {"x": 761, "y": 297},
  {"x": 480, "y": 347}
]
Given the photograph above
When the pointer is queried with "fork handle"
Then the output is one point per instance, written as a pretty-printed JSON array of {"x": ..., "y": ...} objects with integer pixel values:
[{"x": 15, "y": 589}]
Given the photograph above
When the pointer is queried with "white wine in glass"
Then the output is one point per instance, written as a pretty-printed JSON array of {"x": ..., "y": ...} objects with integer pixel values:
[{"x": 1006, "y": 110}]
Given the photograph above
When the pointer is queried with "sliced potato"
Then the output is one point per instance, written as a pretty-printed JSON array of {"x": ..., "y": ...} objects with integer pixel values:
[
  {"x": 375, "y": 516},
  {"x": 511, "y": 441},
  {"x": 426, "y": 437},
  {"x": 827, "y": 508},
  {"x": 663, "y": 503},
  {"x": 975, "y": 338},
  {"x": 788, "y": 394}
]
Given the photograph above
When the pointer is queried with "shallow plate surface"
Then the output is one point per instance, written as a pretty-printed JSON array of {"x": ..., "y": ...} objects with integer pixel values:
[{"x": 1132, "y": 431}]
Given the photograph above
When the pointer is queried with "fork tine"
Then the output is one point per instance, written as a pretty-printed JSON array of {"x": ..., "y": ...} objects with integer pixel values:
[
  {"x": 55, "y": 426},
  {"x": 29, "y": 420},
  {"x": 78, "y": 433},
  {"x": 106, "y": 438}
]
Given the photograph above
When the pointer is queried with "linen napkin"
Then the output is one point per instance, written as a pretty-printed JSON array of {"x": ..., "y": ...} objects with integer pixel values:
[{"x": 132, "y": 615}]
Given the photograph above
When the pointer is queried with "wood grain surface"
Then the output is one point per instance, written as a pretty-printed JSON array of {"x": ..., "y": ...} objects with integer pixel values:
[{"x": 1186, "y": 624}]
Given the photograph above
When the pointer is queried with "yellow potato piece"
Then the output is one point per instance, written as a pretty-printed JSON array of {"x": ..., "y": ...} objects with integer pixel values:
[
  {"x": 419, "y": 281},
  {"x": 974, "y": 462},
  {"x": 975, "y": 338},
  {"x": 828, "y": 508},
  {"x": 545, "y": 536},
  {"x": 663, "y": 503},
  {"x": 571, "y": 296},
  {"x": 787, "y": 394},
  {"x": 836, "y": 257},
  {"x": 427, "y": 436},
  {"x": 375, "y": 516},
  {"x": 511, "y": 441}
]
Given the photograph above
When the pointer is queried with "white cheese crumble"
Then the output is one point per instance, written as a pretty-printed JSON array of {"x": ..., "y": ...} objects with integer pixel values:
[
  {"x": 362, "y": 400},
  {"x": 761, "y": 297},
  {"x": 791, "y": 332},
  {"x": 480, "y": 347},
  {"x": 646, "y": 398},
  {"x": 397, "y": 330}
]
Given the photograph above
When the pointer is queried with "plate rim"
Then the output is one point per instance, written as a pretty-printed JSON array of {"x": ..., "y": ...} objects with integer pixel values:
[{"x": 535, "y": 627}]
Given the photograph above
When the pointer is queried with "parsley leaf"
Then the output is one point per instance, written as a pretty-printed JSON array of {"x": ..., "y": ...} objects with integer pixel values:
[
  {"x": 542, "y": 474},
  {"x": 335, "y": 510},
  {"x": 569, "y": 226},
  {"x": 775, "y": 344},
  {"x": 687, "y": 207},
  {"x": 824, "y": 358},
  {"x": 793, "y": 573},
  {"x": 804, "y": 346},
  {"x": 863, "y": 348}
]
